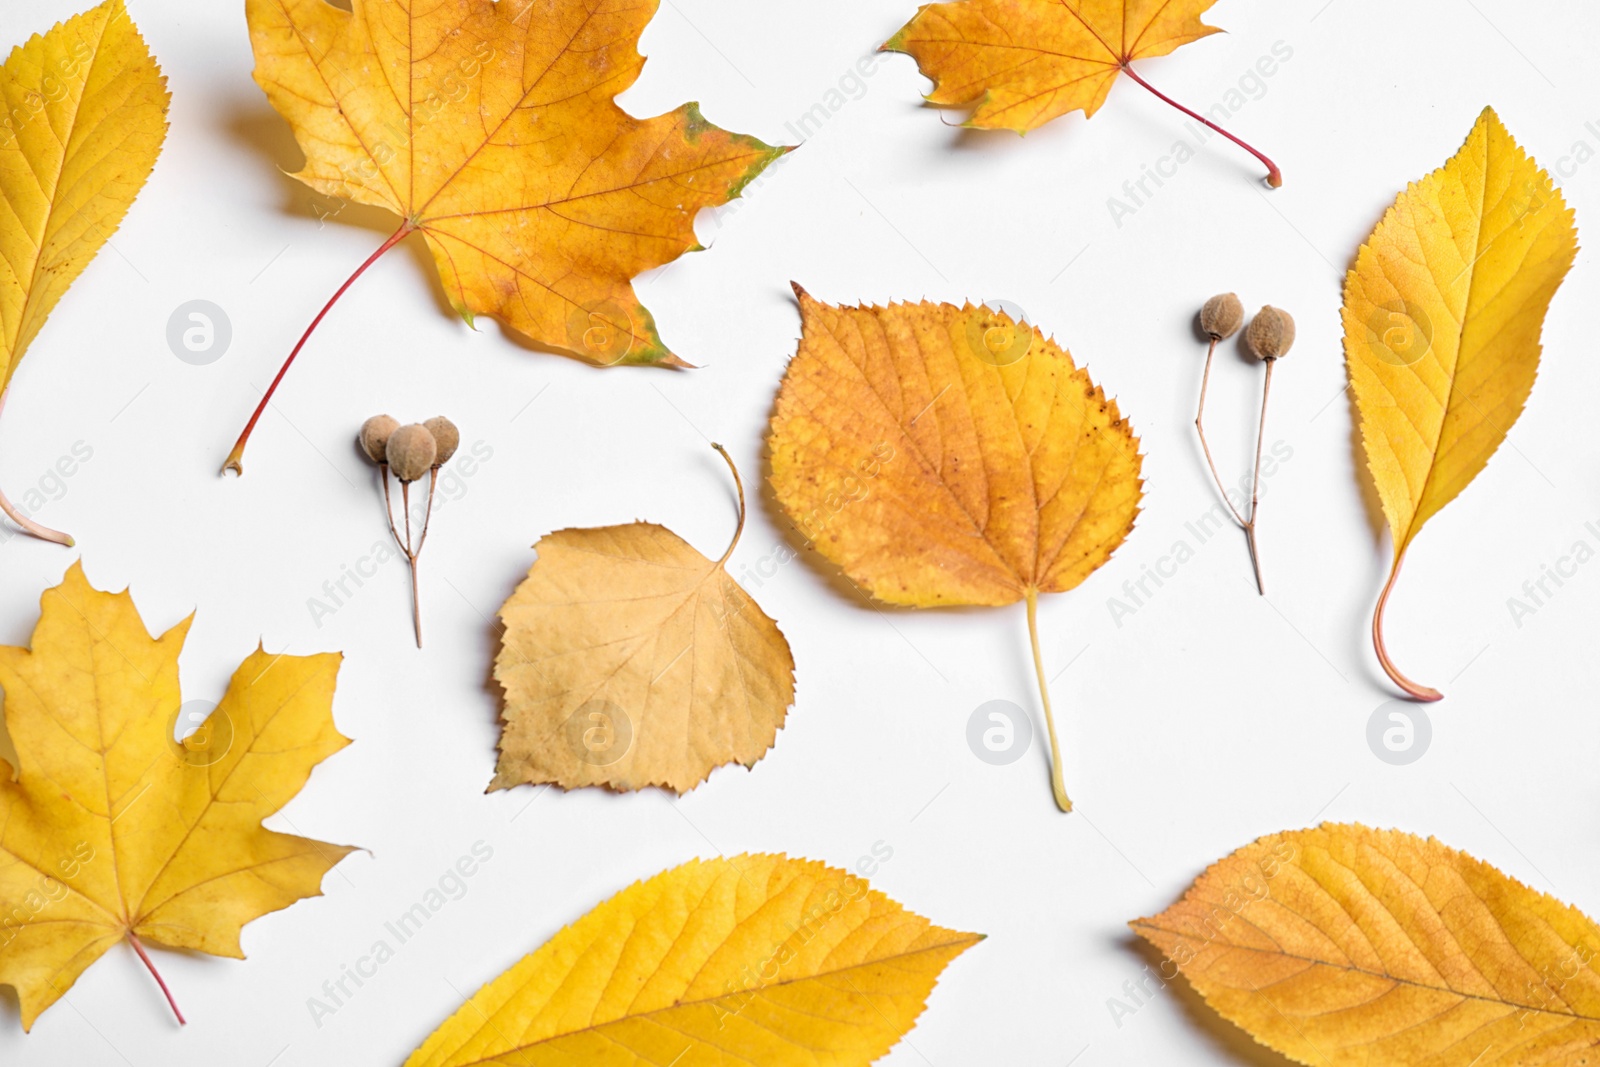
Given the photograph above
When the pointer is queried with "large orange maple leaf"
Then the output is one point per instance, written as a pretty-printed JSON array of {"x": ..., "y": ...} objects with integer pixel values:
[{"x": 492, "y": 130}]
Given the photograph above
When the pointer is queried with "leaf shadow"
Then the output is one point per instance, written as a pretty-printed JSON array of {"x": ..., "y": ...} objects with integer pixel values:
[
  {"x": 496, "y": 645},
  {"x": 265, "y": 133},
  {"x": 1224, "y": 1036}
]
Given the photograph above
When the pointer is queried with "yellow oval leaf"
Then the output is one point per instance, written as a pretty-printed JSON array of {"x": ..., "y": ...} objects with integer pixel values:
[
  {"x": 1350, "y": 947},
  {"x": 1442, "y": 316},
  {"x": 84, "y": 119},
  {"x": 112, "y": 829},
  {"x": 754, "y": 959}
]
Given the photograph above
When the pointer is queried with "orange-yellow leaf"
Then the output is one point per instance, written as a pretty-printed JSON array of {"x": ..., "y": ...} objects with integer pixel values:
[
  {"x": 1020, "y": 63},
  {"x": 1350, "y": 947},
  {"x": 949, "y": 455},
  {"x": 85, "y": 114},
  {"x": 946, "y": 455},
  {"x": 111, "y": 828},
  {"x": 630, "y": 660},
  {"x": 1443, "y": 312},
  {"x": 747, "y": 960},
  {"x": 492, "y": 129}
]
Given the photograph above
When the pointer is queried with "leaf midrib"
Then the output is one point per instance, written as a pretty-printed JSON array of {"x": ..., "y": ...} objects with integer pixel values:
[
  {"x": 1141, "y": 927},
  {"x": 964, "y": 939},
  {"x": 1471, "y": 274}
]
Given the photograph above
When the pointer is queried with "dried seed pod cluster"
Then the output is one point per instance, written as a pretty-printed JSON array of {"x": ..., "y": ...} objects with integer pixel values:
[
  {"x": 1268, "y": 338},
  {"x": 409, "y": 452}
]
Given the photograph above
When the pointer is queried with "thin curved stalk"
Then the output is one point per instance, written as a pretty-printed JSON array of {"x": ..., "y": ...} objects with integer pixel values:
[
  {"x": 427, "y": 515},
  {"x": 1057, "y": 783},
  {"x": 738, "y": 482},
  {"x": 1414, "y": 690},
  {"x": 1255, "y": 484},
  {"x": 1274, "y": 175},
  {"x": 411, "y": 557},
  {"x": 1200, "y": 425},
  {"x": 25, "y": 524},
  {"x": 388, "y": 506},
  {"x": 133, "y": 939},
  {"x": 235, "y": 460}
]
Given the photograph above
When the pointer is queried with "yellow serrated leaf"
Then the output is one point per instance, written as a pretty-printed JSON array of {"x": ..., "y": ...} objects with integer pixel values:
[
  {"x": 1350, "y": 947},
  {"x": 753, "y": 959},
  {"x": 85, "y": 118},
  {"x": 1442, "y": 316},
  {"x": 113, "y": 831}
]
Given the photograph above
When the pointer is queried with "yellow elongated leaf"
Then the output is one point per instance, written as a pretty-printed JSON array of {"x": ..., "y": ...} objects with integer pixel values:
[
  {"x": 629, "y": 660},
  {"x": 754, "y": 959},
  {"x": 85, "y": 118},
  {"x": 113, "y": 831},
  {"x": 1443, "y": 312},
  {"x": 944, "y": 455},
  {"x": 1350, "y": 947}
]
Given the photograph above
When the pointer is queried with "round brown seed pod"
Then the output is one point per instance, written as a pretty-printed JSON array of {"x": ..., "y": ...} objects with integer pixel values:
[
  {"x": 445, "y": 436},
  {"x": 411, "y": 450},
  {"x": 1222, "y": 316},
  {"x": 374, "y": 436},
  {"x": 1270, "y": 334}
]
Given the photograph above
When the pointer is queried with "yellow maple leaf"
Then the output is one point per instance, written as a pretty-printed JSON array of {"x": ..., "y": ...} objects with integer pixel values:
[
  {"x": 83, "y": 120},
  {"x": 946, "y": 455},
  {"x": 629, "y": 659},
  {"x": 1347, "y": 947},
  {"x": 1020, "y": 63},
  {"x": 492, "y": 130},
  {"x": 113, "y": 831},
  {"x": 755, "y": 959},
  {"x": 1442, "y": 316}
]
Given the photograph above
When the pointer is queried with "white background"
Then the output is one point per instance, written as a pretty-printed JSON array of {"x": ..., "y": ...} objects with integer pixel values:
[{"x": 1209, "y": 717}]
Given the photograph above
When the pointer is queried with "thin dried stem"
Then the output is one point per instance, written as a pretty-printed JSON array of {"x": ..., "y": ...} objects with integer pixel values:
[
  {"x": 1418, "y": 692},
  {"x": 1057, "y": 782},
  {"x": 416, "y": 604},
  {"x": 388, "y": 506},
  {"x": 1274, "y": 175},
  {"x": 405, "y": 506},
  {"x": 133, "y": 939},
  {"x": 738, "y": 482},
  {"x": 25, "y": 524},
  {"x": 405, "y": 542},
  {"x": 411, "y": 555},
  {"x": 1255, "y": 483},
  {"x": 1200, "y": 425},
  {"x": 427, "y": 516}
]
